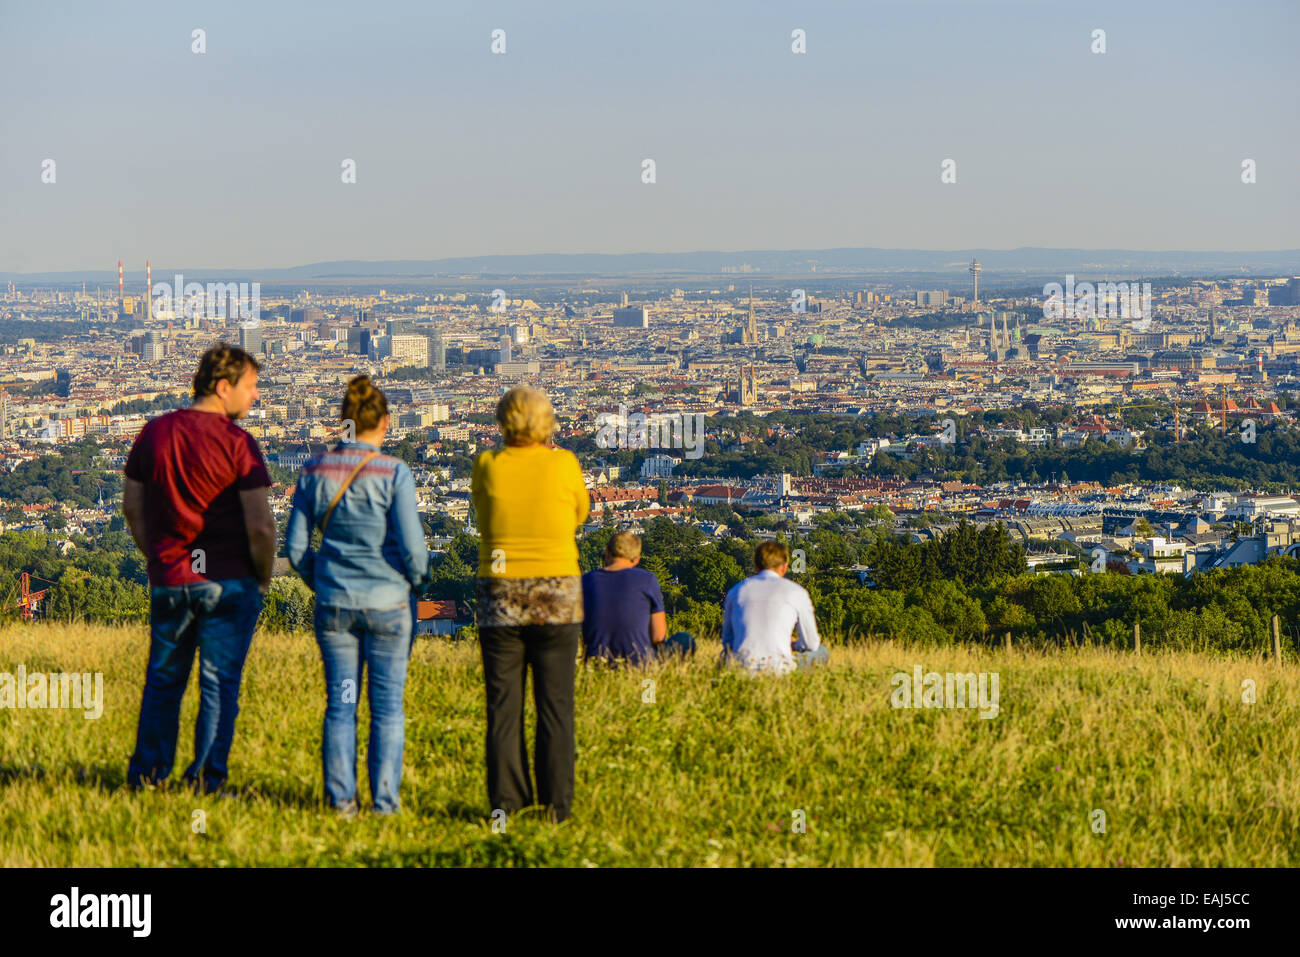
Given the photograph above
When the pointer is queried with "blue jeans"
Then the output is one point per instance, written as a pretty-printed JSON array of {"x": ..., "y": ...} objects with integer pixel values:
[
  {"x": 217, "y": 619},
  {"x": 350, "y": 639},
  {"x": 808, "y": 659}
]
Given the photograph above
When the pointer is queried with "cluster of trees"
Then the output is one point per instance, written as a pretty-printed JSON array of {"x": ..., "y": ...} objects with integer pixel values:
[
  {"x": 42, "y": 330},
  {"x": 966, "y": 555},
  {"x": 414, "y": 374},
  {"x": 81, "y": 597},
  {"x": 289, "y": 606},
  {"x": 970, "y": 584},
  {"x": 67, "y": 476},
  {"x": 1204, "y": 459},
  {"x": 155, "y": 406},
  {"x": 104, "y": 579}
]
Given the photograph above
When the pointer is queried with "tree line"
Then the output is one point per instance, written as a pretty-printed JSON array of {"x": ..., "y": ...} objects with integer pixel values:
[{"x": 970, "y": 585}]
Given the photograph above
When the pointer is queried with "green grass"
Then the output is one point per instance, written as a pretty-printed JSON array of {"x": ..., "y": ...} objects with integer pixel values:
[{"x": 711, "y": 773}]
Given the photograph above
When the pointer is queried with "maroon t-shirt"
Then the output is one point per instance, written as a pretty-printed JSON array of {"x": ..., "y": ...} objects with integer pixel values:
[{"x": 194, "y": 465}]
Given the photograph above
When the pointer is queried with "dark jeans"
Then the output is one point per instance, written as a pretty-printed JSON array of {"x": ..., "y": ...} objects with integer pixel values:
[
  {"x": 217, "y": 619},
  {"x": 380, "y": 641},
  {"x": 551, "y": 651}
]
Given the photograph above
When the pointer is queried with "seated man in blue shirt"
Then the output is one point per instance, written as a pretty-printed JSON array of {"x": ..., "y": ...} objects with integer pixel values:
[{"x": 622, "y": 606}]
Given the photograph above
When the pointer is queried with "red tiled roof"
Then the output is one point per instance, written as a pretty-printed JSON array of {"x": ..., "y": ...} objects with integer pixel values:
[
  {"x": 719, "y": 491},
  {"x": 623, "y": 494},
  {"x": 430, "y": 610}
]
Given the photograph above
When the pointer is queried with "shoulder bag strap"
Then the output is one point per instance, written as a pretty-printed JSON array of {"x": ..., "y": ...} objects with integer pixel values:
[{"x": 343, "y": 488}]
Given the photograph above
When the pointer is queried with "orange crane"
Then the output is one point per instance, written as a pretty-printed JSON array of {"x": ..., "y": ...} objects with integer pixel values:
[{"x": 28, "y": 599}]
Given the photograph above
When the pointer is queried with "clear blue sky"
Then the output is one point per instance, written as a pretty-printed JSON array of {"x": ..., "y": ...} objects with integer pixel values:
[{"x": 232, "y": 158}]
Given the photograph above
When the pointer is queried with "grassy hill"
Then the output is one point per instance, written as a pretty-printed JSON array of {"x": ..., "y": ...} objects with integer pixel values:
[{"x": 713, "y": 772}]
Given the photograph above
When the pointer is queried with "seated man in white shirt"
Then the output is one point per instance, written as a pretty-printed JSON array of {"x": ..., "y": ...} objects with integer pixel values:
[{"x": 762, "y": 611}]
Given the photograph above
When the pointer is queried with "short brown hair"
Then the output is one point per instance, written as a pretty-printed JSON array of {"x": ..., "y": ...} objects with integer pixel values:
[
  {"x": 222, "y": 361},
  {"x": 770, "y": 555},
  {"x": 363, "y": 404},
  {"x": 525, "y": 413},
  {"x": 623, "y": 545}
]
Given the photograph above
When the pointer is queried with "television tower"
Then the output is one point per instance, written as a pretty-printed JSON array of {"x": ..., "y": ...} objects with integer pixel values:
[
  {"x": 975, "y": 269},
  {"x": 121, "y": 289},
  {"x": 148, "y": 291}
]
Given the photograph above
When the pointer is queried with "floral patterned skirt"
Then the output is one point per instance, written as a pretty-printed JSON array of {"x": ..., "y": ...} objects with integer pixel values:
[{"x": 529, "y": 601}]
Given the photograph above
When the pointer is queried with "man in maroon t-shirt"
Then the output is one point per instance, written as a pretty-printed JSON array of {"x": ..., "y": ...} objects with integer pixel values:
[{"x": 197, "y": 504}]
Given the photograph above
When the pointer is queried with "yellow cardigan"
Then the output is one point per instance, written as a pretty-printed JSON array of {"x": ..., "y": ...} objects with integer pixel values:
[{"x": 528, "y": 503}]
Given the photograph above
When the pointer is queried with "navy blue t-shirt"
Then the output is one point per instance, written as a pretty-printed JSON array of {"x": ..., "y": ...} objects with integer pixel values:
[{"x": 616, "y": 609}]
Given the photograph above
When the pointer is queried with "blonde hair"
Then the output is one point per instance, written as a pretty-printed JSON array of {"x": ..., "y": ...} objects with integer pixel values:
[
  {"x": 525, "y": 415},
  {"x": 623, "y": 545}
]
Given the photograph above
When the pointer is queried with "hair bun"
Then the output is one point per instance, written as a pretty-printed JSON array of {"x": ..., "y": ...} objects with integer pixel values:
[{"x": 364, "y": 404}]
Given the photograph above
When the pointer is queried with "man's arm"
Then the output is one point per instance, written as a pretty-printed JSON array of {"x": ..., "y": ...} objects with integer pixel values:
[
  {"x": 133, "y": 508},
  {"x": 658, "y": 616},
  {"x": 259, "y": 522},
  {"x": 806, "y": 623}
]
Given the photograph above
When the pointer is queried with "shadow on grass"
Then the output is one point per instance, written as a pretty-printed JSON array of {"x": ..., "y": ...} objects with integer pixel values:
[
  {"x": 463, "y": 811},
  {"x": 297, "y": 795},
  {"x": 288, "y": 793},
  {"x": 103, "y": 777},
  {"x": 459, "y": 810},
  {"x": 112, "y": 778}
]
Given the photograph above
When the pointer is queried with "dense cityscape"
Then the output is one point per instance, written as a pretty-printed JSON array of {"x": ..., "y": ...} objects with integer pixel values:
[{"x": 1139, "y": 428}]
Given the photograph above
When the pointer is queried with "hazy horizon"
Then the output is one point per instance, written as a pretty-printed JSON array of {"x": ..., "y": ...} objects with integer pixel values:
[{"x": 1001, "y": 267}]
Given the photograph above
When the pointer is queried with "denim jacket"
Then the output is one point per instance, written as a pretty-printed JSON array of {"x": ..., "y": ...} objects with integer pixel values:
[{"x": 373, "y": 553}]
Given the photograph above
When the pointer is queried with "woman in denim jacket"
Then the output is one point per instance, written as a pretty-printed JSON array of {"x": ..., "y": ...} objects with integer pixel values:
[{"x": 370, "y": 563}]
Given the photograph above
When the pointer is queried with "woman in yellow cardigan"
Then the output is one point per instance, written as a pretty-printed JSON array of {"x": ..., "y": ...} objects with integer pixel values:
[{"x": 529, "y": 501}]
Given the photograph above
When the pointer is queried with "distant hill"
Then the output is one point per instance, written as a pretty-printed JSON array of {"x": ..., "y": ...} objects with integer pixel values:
[{"x": 1004, "y": 262}]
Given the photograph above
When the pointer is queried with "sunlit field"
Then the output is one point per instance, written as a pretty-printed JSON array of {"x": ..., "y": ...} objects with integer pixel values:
[{"x": 1095, "y": 758}]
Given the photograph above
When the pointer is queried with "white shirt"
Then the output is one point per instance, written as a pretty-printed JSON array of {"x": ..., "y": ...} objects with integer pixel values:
[{"x": 758, "y": 617}]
